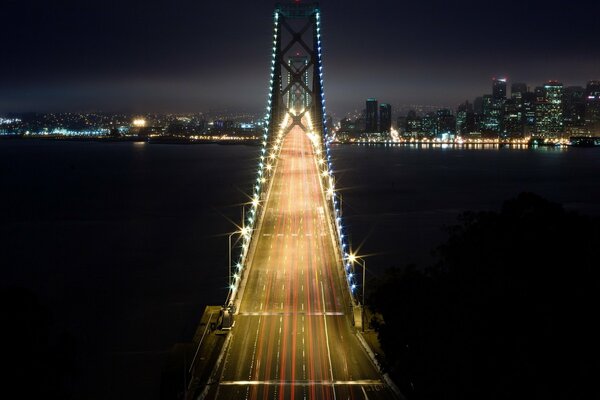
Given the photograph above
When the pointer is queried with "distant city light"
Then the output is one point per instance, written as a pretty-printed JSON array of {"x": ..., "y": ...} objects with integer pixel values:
[{"x": 139, "y": 122}]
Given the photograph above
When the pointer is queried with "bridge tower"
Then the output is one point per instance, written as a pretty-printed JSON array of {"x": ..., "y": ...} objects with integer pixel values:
[{"x": 296, "y": 67}]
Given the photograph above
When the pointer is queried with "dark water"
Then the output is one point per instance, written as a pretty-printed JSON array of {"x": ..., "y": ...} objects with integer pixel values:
[{"x": 125, "y": 243}]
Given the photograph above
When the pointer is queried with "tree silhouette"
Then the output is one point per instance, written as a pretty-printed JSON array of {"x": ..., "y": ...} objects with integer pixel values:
[{"x": 508, "y": 310}]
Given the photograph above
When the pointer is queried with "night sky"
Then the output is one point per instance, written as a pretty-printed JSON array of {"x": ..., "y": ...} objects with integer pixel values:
[{"x": 182, "y": 56}]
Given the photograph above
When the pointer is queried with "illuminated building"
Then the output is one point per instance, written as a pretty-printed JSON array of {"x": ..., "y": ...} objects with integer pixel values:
[
  {"x": 371, "y": 116},
  {"x": 499, "y": 89},
  {"x": 385, "y": 118},
  {"x": 492, "y": 115},
  {"x": 549, "y": 112},
  {"x": 465, "y": 119},
  {"x": 517, "y": 90},
  {"x": 592, "y": 107},
  {"x": 446, "y": 123},
  {"x": 513, "y": 119},
  {"x": 413, "y": 124},
  {"x": 429, "y": 124},
  {"x": 574, "y": 110},
  {"x": 528, "y": 99}
]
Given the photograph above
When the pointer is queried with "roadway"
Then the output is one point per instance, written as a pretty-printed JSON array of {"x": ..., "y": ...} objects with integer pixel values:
[{"x": 293, "y": 337}]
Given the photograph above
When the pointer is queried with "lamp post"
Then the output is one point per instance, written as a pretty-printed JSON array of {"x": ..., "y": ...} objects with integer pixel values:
[
  {"x": 230, "y": 235},
  {"x": 359, "y": 260}
]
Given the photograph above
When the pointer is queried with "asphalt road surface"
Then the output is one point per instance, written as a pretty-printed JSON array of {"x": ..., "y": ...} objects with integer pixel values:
[{"x": 293, "y": 337}]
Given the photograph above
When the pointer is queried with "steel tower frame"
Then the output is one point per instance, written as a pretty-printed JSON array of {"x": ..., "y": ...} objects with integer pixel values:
[{"x": 309, "y": 16}]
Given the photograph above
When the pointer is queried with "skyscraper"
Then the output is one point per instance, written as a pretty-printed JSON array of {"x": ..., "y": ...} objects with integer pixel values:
[
  {"x": 385, "y": 118},
  {"x": 465, "y": 119},
  {"x": 499, "y": 89},
  {"x": 513, "y": 118},
  {"x": 529, "y": 102},
  {"x": 492, "y": 115},
  {"x": 446, "y": 123},
  {"x": 514, "y": 111},
  {"x": 574, "y": 110},
  {"x": 429, "y": 124},
  {"x": 592, "y": 107},
  {"x": 517, "y": 90},
  {"x": 371, "y": 116},
  {"x": 549, "y": 112},
  {"x": 413, "y": 124}
]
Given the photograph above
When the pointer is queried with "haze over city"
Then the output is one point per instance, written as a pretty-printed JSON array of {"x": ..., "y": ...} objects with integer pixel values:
[{"x": 189, "y": 56}]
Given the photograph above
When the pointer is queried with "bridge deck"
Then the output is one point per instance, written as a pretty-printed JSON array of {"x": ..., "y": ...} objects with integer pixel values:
[{"x": 293, "y": 336}]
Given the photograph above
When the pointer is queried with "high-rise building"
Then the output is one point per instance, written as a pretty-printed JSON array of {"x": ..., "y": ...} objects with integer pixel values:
[
  {"x": 499, "y": 88},
  {"x": 574, "y": 110},
  {"x": 478, "y": 105},
  {"x": 429, "y": 124},
  {"x": 371, "y": 116},
  {"x": 514, "y": 111},
  {"x": 492, "y": 115},
  {"x": 413, "y": 124},
  {"x": 446, "y": 123},
  {"x": 401, "y": 125},
  {"x": 549, "y": 112},
  {"x": 592, "y": 107},
  {"x": 385, "y": 118},
  {"x": 465, "y": 119},
  {"x": 513, "y": 122},
  {"x": 529, "y": 101},
  {"x": 517, "y": 90}
]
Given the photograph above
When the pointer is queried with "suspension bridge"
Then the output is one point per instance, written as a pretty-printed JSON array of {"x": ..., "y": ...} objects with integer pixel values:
[{"x": 292, "y": 311}]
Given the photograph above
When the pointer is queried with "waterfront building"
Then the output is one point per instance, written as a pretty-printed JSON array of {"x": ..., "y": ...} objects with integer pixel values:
[
  {"x": 549, "y": 112},
  {"x": 385, "y": 118},
  {"x": 465, "y": 119},
  {"x": 413, "y": 124},
  {"x": 371, "y": 116},
  {"x": 574, "y": 110},
  {"x": 446, "y": 124},
  {"x": 528, "y": 99},
  {"x": 592, "y": 108},
  {"x": 492, "y": 115},
  {"x": 429, "y": 124}
]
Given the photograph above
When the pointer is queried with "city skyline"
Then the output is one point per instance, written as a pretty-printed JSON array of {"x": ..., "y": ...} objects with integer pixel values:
[{"x": 159, "y": 58}]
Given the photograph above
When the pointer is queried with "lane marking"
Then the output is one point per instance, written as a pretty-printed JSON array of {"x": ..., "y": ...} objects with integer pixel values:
[
  {"x": 364, "y": 392},
  {"x": 289, "y": 313},
  {"x": 361, "y": 382},
  {"x": 327, "y": 340}
]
